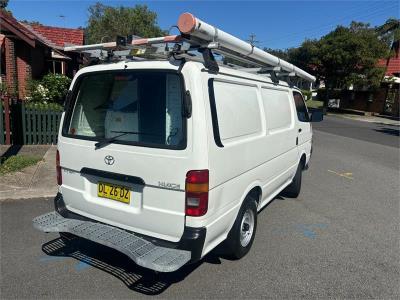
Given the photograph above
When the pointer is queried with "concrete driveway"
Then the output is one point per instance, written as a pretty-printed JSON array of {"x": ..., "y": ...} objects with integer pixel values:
[{"x": 339, "y": 239}]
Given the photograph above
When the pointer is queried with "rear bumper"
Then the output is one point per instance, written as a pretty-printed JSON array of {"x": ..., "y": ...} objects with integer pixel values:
[{"x": 192, "y": 239}]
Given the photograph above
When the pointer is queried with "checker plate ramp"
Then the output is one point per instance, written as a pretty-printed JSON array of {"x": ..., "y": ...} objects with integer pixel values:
[{"x": 142, "y": 252}]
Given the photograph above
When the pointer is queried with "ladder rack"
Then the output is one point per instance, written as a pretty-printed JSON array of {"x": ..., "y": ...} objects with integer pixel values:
[{"x": 196, "y": 34}]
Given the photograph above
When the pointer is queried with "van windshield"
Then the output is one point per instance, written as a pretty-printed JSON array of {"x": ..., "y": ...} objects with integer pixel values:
[{"x": 130, "y": 107}]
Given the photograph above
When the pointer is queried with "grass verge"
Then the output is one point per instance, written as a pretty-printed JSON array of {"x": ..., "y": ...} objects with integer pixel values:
[
  {"x": 314, "y": 104},
  {"x": 16, "y": 163}
]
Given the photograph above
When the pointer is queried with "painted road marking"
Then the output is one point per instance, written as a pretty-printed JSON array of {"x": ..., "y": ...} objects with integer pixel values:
[
  {"x": 310, "y": 231},
  {"x": 347, "y": 175},
  {"x": 80, "y": 265}
]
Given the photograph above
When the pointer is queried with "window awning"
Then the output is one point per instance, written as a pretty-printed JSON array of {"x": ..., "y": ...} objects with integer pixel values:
[
  {"x": 391, "y": 79},
  {"x": 58, "y": 55}
]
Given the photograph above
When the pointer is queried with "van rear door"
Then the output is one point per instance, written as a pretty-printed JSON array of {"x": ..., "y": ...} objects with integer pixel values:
[{"x": 124, "y": 152}]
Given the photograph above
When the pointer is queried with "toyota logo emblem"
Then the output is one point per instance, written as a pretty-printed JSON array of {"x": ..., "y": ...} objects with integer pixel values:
[{"x": 109, "y": 160}]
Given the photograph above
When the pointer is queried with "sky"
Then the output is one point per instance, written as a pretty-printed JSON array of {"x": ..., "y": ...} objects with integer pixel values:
[{"x": 276, "y": 24}]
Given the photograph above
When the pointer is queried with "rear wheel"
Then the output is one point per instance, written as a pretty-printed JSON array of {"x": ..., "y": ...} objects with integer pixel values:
[
  {"x": 293, "y": 189},
  {"x": 241, "y": 237}
]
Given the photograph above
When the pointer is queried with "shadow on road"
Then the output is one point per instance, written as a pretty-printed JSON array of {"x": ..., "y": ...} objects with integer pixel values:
[
  {"x": 117, "y": 264},
  {"x": 389, "y": 131},
  {"x": 136, "y": 278}
]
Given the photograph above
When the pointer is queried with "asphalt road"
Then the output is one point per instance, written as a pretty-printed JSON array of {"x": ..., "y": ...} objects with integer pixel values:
[
  {"x": 339, "y": 239},
  {"x": 379, "y": 133}
]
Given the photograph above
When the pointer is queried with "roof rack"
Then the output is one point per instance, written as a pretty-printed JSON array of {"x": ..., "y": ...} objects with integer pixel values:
[{"x": 196, "y": 34}]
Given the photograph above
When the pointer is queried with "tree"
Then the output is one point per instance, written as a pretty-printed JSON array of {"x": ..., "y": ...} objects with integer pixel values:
[
  {"x": 281, "y": 53},
  {"x": 346, "y": 56},
  {"x": 3, "y": 3},
  {"x": 349, "y": 55},
  {"x": 31, "y": 22},
  {"x": 390, "y": 29},
  {"x": 306, "y": 56},
  {"x": 106, "y": 22},
  {"x": 390, "y": 32}
]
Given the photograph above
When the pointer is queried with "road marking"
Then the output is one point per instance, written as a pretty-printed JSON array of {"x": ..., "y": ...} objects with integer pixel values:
[
  {"x": 310, "y": 231},
  {"x": 80, "y": 265},
  {"x": 347, "y": 175},
  {"x": 83, "y": 264}
]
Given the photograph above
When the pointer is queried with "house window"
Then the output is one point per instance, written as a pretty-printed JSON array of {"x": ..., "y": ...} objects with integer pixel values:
[{"x": 56, "y": 67}]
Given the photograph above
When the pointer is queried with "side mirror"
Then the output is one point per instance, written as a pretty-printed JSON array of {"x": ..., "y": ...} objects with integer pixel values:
[{"x": 316, "y": 115}]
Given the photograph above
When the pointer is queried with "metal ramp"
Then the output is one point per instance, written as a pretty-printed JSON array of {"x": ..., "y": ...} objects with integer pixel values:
[{"x": 142, "y": 252}]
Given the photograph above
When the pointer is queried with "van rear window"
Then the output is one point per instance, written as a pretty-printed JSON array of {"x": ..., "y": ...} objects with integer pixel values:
[{"x": 131, "y": 107}]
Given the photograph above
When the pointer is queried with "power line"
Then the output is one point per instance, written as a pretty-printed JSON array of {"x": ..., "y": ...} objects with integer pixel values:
[
  {"x": 374, "y": 14},
  {"x": 376, "y": 8},
  {"x": 329, "y": 25},
  {"x": 335, "y": 21}
]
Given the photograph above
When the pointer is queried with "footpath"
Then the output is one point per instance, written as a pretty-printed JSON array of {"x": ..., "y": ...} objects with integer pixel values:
[
  {"x": 34, "y": 181},
  {"x": 366, "y": 118}
]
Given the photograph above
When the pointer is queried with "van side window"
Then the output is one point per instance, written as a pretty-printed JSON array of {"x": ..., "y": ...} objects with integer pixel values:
[
  {"x": 278, "y": 113},
  {"x": 301, "y": 107},
  {"x": 236, "y": 108}
]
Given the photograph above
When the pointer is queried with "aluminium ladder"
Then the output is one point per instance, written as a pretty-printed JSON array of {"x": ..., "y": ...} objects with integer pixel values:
[{"x": 196, "y": 34}]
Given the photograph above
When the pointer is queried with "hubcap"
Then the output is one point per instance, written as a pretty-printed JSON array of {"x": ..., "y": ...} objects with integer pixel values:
[{"x": 246, "y": 227}]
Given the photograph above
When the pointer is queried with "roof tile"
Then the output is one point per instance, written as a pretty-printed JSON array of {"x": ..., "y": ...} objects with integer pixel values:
[{"x": 59, "y": 36}]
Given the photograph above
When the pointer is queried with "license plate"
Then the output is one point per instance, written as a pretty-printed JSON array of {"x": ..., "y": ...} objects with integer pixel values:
[{"x": 113, "y": 192}]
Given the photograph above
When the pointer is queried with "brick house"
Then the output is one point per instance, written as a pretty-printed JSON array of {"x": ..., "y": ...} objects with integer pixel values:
[
  {"x": 392, "y": 64},
  {"x": 31, "y": 51},
  {"x": 386, "y": 99}
]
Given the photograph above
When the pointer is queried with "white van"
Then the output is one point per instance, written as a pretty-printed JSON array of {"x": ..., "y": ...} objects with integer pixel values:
[
  {"x": 164, "y": 160},
  {"x": 180, "y": 157}
]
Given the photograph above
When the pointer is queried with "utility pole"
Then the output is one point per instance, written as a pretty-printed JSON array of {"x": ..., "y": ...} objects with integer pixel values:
[
  {"x": 62, "y": 17},
  {"x": 252, "y": 40}
]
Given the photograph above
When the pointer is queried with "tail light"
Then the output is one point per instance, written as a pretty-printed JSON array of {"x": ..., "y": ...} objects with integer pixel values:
[
  {"x": 196, "y": 193},
  {"x": 58, "y": 169}
]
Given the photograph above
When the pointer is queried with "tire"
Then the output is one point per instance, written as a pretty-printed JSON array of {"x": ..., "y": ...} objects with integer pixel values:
[
  {"x": 241, "y": 237},
  {"x": 293, "y": 189}
]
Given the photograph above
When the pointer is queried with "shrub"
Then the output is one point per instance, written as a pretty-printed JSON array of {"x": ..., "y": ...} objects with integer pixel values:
[
  {"x": 51, "y": 89},
  {"x": 307, "y": 94},
  {"x": 44, "y": 106},
  {"x": 3, "y": 88},
  {"x": 57, "y": 86},
  {"x": 37, "y": 92}
]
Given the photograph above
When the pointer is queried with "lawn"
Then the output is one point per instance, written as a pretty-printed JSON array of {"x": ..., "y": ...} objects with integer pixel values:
[
  {"x": 16, "y": 163},
  {"x": 314, "y": 104}
]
